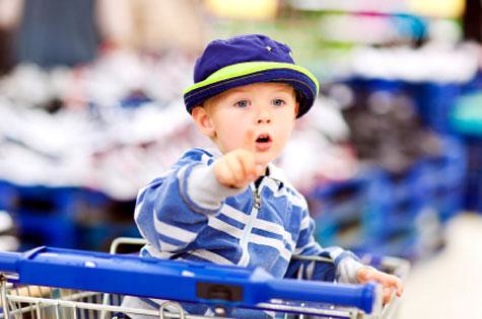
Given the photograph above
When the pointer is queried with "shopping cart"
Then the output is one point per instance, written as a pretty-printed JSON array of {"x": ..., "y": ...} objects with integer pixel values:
[{"x": 48, "y": 282}]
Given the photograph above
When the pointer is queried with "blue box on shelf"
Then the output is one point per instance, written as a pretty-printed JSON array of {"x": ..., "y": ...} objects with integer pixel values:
[
  {"x": 338, "y": 209},
  {"x": 101, "y": 218},
  {"x": 435, "y": 103},
  {"x": 395, "y": 201},
  {"x": 445, "y": 178},
  {"x": 44, "y": 215}
]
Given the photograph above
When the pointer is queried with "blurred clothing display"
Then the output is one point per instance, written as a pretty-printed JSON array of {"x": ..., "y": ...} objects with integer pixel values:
[
  {"x": 244, "y": 9},
  {"x": 387, "y": 130},
  {"x": 153, "y": 25},
  {"x": 52, "y": 33},
  {"x": 6, "y": 62},
  {"x": 8, "y": 238},
  {"x": 9, "y": 11}
]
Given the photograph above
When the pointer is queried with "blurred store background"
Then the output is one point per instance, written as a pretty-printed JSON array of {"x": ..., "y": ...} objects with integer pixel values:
[{"x": 91, "y": 110}]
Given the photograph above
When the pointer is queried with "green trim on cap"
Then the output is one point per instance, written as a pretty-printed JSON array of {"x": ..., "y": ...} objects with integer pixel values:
[{"x": 246, "y": 68}]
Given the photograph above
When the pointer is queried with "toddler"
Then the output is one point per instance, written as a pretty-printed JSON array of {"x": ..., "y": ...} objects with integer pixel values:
[{"x": 231, "y": 205}]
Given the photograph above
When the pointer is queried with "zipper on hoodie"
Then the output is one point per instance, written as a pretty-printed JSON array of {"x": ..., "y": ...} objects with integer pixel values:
[
  {"x": 256, "y": 195},
  {"x": 253, "y": 215},
  {"x": 257, "y": 199}
]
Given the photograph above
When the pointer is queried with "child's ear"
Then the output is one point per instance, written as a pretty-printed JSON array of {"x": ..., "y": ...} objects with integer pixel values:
[
  {"x": 297, "y": 108},
  {"x": 203, "y": 121}
]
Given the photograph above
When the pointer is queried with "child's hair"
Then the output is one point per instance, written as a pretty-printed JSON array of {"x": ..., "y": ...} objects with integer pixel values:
[{"x": 248, "y": 59}]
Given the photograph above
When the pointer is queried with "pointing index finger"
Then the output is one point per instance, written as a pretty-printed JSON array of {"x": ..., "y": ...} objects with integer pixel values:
[
  {"x": 250, "y": 146},
  {"x": 249, "y": 142}
]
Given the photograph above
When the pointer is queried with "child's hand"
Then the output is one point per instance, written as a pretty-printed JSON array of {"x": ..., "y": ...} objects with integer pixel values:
[
  {"x": 388, "y": 282},
  {"x": 238, "y": 168}
]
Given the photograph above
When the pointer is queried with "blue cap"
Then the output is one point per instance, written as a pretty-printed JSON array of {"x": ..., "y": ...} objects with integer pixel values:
[{"x": 248, "y": 59}]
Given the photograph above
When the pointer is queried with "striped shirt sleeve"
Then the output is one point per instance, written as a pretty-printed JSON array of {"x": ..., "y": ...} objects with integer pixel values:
[
  {"x": 344, "y": 264},
  {"x": 173, "y": 209}
]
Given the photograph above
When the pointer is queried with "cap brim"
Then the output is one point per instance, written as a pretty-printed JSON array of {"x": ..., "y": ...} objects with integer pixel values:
[{"x": 246, "y": 73}]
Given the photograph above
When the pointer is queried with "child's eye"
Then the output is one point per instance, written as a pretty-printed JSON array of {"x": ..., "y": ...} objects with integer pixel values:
[
  {"x": 242, "y": 103},
  {"x": 278, "y": 102}
]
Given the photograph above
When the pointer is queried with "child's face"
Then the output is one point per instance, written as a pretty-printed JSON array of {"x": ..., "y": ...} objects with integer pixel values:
[{"x": 258, "y": 117}]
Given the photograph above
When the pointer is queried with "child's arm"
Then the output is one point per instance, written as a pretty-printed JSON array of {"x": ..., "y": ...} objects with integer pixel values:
[
  {"x": 179, "y": 191},
  {"x": 347, "y": 267},
  {"x": 195, "y": 188},
  {"x": 342, "y": 268}
]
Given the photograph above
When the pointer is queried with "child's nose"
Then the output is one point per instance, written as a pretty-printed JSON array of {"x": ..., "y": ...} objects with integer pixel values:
[{"x": 264, "y": 116}]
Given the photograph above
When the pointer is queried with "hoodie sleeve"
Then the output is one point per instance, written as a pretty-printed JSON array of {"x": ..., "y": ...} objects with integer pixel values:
[
  {"x": 172, "y": 210},
  {"x": 340, "y": 265}
]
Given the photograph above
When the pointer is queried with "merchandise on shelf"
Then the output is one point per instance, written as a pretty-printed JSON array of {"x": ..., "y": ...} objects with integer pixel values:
[{"x": 400, "y": 214}]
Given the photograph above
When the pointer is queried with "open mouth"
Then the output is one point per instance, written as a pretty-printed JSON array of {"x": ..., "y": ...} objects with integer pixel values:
[{"x": 263, "y": 138}]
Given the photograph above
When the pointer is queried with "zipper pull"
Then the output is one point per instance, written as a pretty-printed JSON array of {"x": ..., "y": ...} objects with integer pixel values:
[{"x": 257, "y": 199}]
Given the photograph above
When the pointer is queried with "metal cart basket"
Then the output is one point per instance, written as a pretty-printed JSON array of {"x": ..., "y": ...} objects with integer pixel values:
[{"x": 48, "y": 282}]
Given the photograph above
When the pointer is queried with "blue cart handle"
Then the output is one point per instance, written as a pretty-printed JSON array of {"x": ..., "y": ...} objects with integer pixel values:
[
  {"x": 155, "y": 278},
  {"x": 365, "y": 297},
  {"x": 8, "y": 261}
]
